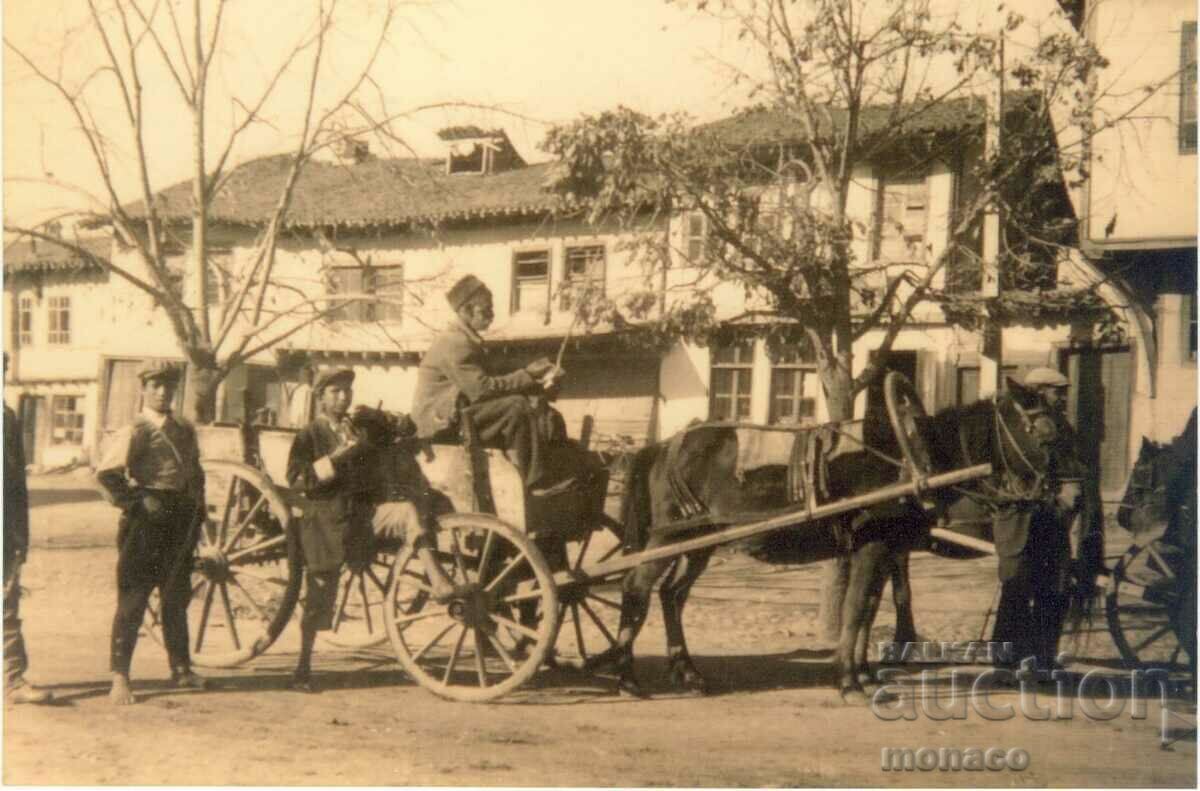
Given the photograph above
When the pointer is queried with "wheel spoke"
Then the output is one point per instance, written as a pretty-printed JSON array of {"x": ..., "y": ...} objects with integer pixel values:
[
  {"x": 604, "y": 601},
  {"x": 454, "y": 655},
  {"x": 204, "y": 612},
  {"x": 600, "y": 624},
  {"x": 437, "y": 639},
  {"x": 1162, "y": 564},
  {"x": 583, "y": 654},
  {"x": 458, "y": 558},
  {"x": 480, "y": 670},
  {"x": 383, "y": 585},
  {"x": 230, "y": 499},
  {"x": 536, "y": 593},
  {"x": 257, "y": 607},
  {"x": 485, "y": 554},
  {"x": 504, "y": 654},
  {"x": 226, "y": 545},
  {"x": 512, "y": 564},
  {"x": 1137, "y": 649},
  {"x": 274, "y": 541},
  {"x": 419, "y": 616},
  {"x": 418, "y": 581},
  {"x": 342, "y": 601},
  {"x": 512, "y": 625},
  {"x": 616, "y": 548},
  {"x": 237, "y": 644},
  {"x": 362, "y": 591},
  {"x": 1175, "y": 653},
  {"x": 583, "y": 548}
]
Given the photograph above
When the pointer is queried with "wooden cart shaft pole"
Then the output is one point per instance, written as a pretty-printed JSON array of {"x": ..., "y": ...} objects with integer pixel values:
[
  {"x": 950, "y": 537},
  {"x": 791, "y": 519}
]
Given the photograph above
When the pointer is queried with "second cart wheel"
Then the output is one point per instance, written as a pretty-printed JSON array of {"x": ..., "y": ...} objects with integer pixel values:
[
  {"x": 589, "y": 613},
  {"x": 487, "y": 640},
  {"x": 362, "y": 590},
  {"x": 905, "y": 412},
  {"x": 246, "y": 574},
  {"x": 1144, "y": 604}
]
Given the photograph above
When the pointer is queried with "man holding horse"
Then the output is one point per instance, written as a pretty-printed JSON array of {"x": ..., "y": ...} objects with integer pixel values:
[
  {"x": 1031, "y": 536},
  {"x": 455, "y": 383}
]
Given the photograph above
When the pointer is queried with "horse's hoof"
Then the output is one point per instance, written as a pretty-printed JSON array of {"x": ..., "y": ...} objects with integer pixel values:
[
  {"x": 690, "y": 682},
  {"x": 629, "y": 688},
  {"x": 854, "y": 696},
  {"x": 868, "y": 682}
]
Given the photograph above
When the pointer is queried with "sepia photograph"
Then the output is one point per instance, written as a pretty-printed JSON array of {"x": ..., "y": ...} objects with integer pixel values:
[{"x": 600, "y": 393}]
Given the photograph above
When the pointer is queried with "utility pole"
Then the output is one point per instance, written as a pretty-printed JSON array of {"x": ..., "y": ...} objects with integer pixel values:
[{"x": 991, "y": 358}]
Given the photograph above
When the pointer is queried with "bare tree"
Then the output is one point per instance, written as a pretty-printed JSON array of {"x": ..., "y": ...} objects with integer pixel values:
[{"x": 139, "y": 37}]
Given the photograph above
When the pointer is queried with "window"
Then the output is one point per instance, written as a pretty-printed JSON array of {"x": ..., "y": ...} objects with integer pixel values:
[
  {"x": 387, "y": 282},
  {"x": 902, "y": 219},
  {"x": 694, "y": 235},
  {"x": 730, "y": 386},
  {"x": 67, "y": 420},
  {"x": 531, "y": 281},
  {"x": 1190, "y": 327},
  {"x": 794, "y": 386},
  {"x": 1187, "y": 89},
  {"x": 60, "y": 320},
  {"x": 583, "y": 268},
  {"x": 25, "y": 321}
]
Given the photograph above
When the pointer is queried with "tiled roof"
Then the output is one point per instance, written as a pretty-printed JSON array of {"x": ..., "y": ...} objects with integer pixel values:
[
  {"x": 42, "y": 256},
  {"x": 375, "y": 192},
  {"x": 763, "y": 126}
]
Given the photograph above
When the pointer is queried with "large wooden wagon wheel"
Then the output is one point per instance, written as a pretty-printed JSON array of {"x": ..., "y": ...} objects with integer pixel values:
[
  {"x": 479, "y": 645},
  {"x": 246, "y": 573},
  {"x": 1145, "y": 604},
  {"x": 588, "y": 612},
  {"x": 362, "y": 591},
  {"x": 906, "y": 412}
]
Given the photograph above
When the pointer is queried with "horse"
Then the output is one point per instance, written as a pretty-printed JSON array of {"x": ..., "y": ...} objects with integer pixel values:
[
  {"x": 876, "y": 540},
  {"x": 1159, "y": 503}
]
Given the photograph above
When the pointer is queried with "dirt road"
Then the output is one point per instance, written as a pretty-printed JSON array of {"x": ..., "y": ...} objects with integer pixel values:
[{"x": 773, "y": 722}]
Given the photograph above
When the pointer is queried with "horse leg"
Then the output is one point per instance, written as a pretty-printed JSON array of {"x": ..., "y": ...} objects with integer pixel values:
[
  {"x": 864, "y": 578},
  {"x": 635, "y": 605},
  {"x": 906, "y": 627},
  {"x": 886, "y": 569},
  {"x": 673, "y": 593}
]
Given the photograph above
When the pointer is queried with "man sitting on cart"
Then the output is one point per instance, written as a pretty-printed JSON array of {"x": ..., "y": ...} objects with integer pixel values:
[
  {"x": 331, "y": 465},
  {"x": 454, "y": 379}
]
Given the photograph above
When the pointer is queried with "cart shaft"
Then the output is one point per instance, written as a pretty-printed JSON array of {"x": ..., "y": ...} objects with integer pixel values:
[{"x": 789, "y": 519}]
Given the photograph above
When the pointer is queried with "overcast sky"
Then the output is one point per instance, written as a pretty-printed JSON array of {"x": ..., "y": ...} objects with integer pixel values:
[{"x": 539, "y": 60}]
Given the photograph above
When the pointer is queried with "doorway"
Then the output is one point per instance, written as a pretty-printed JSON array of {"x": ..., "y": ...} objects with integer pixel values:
[{"x": 1101, "y": 390}]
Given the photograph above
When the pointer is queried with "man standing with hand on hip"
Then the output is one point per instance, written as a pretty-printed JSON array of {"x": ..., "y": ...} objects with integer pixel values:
[{"x": 152, "y": 473}]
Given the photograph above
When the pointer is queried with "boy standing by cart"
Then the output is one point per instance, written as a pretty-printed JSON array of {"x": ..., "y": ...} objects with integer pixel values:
[
  {"x": 152, "y": 473},
  {"x": 331, "y": 465}
]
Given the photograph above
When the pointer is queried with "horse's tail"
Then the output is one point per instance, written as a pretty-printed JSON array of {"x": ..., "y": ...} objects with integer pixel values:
[{"x": 635, "y": 503}]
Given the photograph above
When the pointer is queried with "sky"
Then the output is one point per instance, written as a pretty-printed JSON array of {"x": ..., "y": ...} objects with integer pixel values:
[{"x": 536, "y": 61}]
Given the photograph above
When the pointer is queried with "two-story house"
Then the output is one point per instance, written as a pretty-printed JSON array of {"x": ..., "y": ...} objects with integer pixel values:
[{"x": 1138, "y": 206}]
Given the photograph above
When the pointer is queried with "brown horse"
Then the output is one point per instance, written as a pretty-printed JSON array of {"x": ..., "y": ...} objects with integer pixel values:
[{"x": 876, "y": 540}]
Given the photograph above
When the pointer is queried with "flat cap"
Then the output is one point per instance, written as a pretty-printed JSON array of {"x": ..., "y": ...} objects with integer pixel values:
[
  {"x": 462, "y": 291},
  {"x": 332, "y": 376},
  {"x": 159, "y": 369},
  {"x": 1046, "y": 377}
]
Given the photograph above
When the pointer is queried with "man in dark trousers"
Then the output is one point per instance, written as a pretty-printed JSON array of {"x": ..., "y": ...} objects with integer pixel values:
[
  {"x": 16, "y": 546},
  {"x": 152, "y": 473},
  {"x": 333, "y": 467},
  {"x": 1033, "y": 539},
  {"x": 454, "y": 376}
]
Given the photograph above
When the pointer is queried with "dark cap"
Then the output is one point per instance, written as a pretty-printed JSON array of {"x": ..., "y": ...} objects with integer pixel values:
[
  {"x": 159, "y": 369},
  {"x": 333, "y": 376},
  {"x": 462, "y": 291}
]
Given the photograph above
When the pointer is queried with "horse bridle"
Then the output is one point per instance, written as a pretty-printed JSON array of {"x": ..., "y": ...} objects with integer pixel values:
[{"x": 1012, "y": 491}]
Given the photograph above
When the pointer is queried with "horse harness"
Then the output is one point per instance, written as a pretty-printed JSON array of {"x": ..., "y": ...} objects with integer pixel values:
[{"x": 1036, "y": 423}]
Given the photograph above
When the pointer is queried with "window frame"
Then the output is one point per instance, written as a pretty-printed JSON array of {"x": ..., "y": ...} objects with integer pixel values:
[
  {"x": 58, "y": 320},
  {"x": 73, "y": 433},
  {"x": 572, "y": 282},
  {"x": 803, "y": 366},
  {"x": 692, "y": 237},
  {"x": 368, "y": 283},
  {"x": 516, "y": 279},
  {"x": 885, "y": 181},
  {"x": 25, "y": 309},
  {"x": 1188, "y": 324},
  {"x": 1187, "y": 88},
  {"x": 742, "y": 369}
]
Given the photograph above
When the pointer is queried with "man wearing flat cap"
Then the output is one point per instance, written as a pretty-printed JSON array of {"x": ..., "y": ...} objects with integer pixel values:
[
  {"x": 455, "y": 378},
  {"x": 152, "y": 472},
  {"x": 1032, "y": 538}
]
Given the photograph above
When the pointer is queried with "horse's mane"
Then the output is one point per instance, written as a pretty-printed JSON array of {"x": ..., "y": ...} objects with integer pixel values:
[{"x": 950, "y": 428}]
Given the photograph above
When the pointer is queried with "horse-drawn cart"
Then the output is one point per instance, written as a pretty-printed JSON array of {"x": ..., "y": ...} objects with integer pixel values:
[{"x": 526, "y": 570}]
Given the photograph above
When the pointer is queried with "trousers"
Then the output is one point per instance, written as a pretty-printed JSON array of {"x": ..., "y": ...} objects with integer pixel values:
[
  {"x": 510, "y": 424},
  {"x": 15, "y": 660},
  {"x": 1033, "y": 583},
  {"x": 155, "y": 550}
]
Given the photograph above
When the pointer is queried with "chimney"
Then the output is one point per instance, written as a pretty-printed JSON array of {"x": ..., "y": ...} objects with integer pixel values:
[{"x": 350, "y": 151}]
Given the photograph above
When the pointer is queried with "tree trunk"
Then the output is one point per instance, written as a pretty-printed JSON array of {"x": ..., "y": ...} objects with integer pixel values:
[{"x": 201, "y": 406}]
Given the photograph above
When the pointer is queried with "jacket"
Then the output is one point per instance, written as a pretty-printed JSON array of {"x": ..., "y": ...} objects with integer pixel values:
[
  {"x": 454, "y": 368},
  {"x": 336, "y": 511},
  {"x": 16, "y": 495}
]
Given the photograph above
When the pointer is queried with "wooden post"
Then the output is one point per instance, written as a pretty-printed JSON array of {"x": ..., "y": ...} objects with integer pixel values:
[{"x": 991, "y": 358}]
